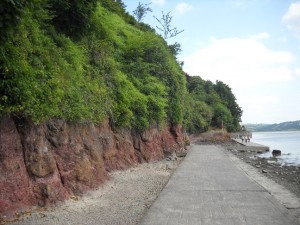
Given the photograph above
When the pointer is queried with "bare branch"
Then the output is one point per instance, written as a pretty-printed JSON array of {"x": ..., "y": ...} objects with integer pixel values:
[
  {"x": 141, "y": 11},
  {"x": 166, "y": 27}
]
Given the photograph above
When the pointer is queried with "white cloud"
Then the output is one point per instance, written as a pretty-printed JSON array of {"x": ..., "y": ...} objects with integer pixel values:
[
  {"x": 261, "y": 36},
  {"x": 255, "y": 73},
  {"x": 239, "y": 62},
  {"x": 158, "y": 2},
  {"x": 243, "y": 3},
  {"x": 292, "y": 18},
  {"x": 283, "y": 39},
  {"x": 183, "y": 7},
  {"x": 259, "y": 107},
  {"x": 297, "y": 71},
  {"x": 258, "y": 103}
]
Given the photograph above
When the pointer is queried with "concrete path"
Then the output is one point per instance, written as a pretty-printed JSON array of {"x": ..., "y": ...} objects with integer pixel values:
[
  {"x": 251, "y": 144},
  {"x": 209, "y": 189}
]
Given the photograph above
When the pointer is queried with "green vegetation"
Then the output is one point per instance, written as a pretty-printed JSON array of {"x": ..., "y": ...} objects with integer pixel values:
[
  {"x": 208, "y": 105},
  {"x": 85, "y": 61},
  {"x": 285, "y": 126},
  {"x": 141, "y": 11}
]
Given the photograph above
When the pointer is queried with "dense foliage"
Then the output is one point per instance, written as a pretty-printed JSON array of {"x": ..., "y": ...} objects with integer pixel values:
[
  {"x": 85, "y": 61},
  {"x": 210, "y": 105}
]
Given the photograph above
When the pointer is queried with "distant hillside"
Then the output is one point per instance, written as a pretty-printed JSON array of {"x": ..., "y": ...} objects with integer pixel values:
[{"x": 285, "y": 126}]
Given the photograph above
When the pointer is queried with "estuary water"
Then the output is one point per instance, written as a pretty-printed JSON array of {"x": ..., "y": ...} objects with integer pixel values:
[{"x": 286, "y": 141}]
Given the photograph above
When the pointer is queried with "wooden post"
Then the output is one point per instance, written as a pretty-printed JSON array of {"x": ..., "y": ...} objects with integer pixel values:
[{"x": 222, "y": 127}]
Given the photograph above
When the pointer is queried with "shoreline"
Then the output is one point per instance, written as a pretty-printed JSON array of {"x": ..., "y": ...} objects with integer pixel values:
[
  {"x": 285, "y": 175},
  {"x": 284, "y": 196},
  {"x": 285, "y": 141}
]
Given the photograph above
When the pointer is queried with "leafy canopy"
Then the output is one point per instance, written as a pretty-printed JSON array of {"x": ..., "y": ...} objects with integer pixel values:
[{"x": 86, "y": 61}]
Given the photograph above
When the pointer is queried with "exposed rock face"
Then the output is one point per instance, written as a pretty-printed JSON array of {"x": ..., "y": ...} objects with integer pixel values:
[{"x": 45, "y": 164}]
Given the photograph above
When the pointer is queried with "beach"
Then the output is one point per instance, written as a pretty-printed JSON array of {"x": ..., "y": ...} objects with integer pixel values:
[{"x": 285, "y": 175}]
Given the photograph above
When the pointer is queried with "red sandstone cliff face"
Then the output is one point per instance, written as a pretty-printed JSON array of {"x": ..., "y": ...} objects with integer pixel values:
[{"x": 45, "y": 164}]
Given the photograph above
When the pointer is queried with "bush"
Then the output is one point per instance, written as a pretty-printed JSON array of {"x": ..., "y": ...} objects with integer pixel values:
[
  {"x": 86, "y": 60},
  {"x": 41, "y": 80}
]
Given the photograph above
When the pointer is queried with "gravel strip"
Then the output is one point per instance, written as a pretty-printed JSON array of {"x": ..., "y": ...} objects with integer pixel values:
[{"x": 122, "y": 200}]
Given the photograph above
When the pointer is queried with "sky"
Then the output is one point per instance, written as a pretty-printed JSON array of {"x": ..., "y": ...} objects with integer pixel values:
[{"x": 251, "y": 45}]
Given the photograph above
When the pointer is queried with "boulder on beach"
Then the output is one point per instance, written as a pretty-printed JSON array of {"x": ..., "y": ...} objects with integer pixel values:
[{"x": 276, "y": 152}]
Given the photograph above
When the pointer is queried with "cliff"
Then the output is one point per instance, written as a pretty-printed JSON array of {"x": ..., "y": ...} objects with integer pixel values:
[
  {"x": 43, "y": 164},
  {"x": 90, "y": 62}
]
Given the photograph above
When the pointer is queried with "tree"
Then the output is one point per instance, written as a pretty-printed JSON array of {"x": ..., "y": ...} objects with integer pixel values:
[
  {"x": 166, "y": 27},
  {"x": 229, "y": 100},
  {"x": 210, "y": 104},
  {"x": 222, "y": 115},
  {"x": 121, "y": 4},
  {"x": 72, "y": 16},
  {"x": 11, "y": 11},
  {"x": 175, "y": 48},
  {"x": 197, "y": 115},
  {"x": 141, "y": 11}
]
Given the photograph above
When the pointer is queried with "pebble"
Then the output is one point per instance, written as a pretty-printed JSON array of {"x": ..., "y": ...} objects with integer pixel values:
[
  {"x": 288, "y": 176},
  {"x": 121, "y": 200}
]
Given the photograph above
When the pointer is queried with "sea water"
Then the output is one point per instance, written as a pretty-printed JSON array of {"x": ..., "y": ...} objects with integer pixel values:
[{"x": 286, "y": 141}]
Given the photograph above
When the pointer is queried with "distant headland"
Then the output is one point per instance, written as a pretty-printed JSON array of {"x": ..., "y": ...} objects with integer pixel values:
[{"x": 285, "y": 126}]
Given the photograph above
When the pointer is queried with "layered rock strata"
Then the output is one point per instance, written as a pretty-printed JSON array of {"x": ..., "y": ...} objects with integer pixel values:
[{"x": 41, "y": 165}]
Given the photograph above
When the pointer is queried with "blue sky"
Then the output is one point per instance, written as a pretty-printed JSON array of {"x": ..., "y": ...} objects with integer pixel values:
[{"x": 251, "y": 45}]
